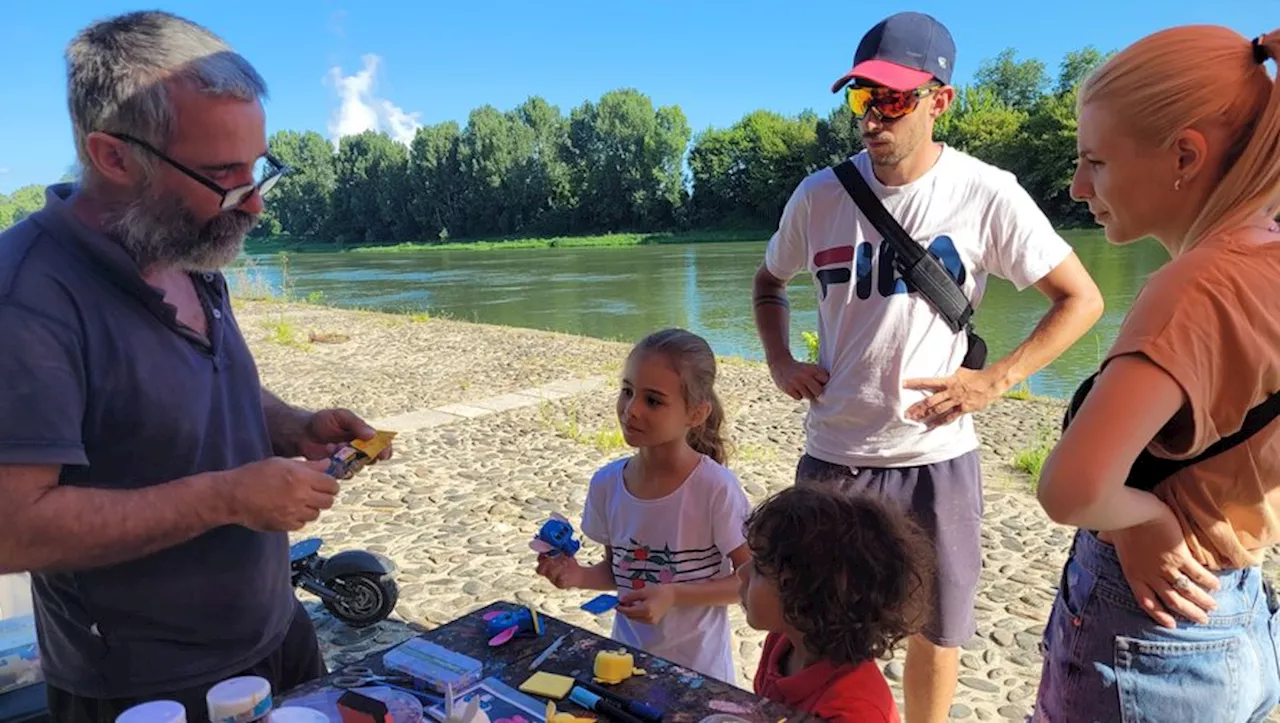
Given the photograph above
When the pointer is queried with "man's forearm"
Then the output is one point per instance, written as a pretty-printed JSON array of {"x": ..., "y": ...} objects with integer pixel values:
[
  {"x": 285, "y": 424},
  {"x": 772, "y": 316},
  {"x": 78, "y": 528},
  {"x": 1066, "y": 321}
]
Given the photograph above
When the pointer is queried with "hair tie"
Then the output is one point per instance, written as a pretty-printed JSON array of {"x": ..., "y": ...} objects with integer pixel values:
[{"x": 1260, "y": 52}]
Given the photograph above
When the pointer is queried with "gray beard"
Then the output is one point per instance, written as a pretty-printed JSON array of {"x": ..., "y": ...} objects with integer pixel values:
[{"x": 160, "y": 230}]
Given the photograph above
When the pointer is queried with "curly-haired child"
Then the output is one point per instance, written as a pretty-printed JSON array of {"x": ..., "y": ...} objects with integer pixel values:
[{"x": 837, "y": 580}]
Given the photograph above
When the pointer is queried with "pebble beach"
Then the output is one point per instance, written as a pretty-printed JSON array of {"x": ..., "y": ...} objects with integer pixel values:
[{"x": 499, "y": 427}]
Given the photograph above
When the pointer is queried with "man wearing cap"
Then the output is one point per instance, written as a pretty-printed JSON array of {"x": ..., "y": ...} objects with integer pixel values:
[{"x": 890, "y": 402}]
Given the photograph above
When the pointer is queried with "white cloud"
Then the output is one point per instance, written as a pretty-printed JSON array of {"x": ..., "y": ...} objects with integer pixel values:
[
  {"x": 360, "y": 109},
  {"x": 3, "y": 170}
]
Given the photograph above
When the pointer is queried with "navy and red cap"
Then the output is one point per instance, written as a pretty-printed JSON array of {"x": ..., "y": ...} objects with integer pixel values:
[{"x": 903, "y": 52}]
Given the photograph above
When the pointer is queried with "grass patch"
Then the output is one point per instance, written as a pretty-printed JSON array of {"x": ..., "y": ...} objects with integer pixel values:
[
  {"x": 811, "y": 341},
  {"x": 282, "y": 331},
  {"x": 569, "y": 426},
  {"x": 1031, "y": 460},
  {"x": 754, "y": 453},
  {"x": 248, "y": 281},
  {"x": 608, "y": 440},
  {"x": 1022, "y": 392}
]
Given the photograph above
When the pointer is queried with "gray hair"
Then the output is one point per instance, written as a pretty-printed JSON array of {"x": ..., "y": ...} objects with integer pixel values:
[{"x": 118, "y": 70}]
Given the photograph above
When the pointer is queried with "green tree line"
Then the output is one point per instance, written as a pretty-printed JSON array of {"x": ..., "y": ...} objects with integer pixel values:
[{"x": 623, "y": 164}]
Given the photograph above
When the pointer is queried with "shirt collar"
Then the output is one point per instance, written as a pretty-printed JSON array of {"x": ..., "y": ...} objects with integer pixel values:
[
  {"x": 58, "y": 217},
  {"x": 802, "y": 686}
]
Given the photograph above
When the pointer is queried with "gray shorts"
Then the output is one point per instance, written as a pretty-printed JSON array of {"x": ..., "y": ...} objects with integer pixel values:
[{"x": 945, "y": 499}]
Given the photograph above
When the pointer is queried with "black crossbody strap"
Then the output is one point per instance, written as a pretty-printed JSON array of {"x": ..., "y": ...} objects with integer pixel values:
[
  {"x": 1149, "y": 470},
  {"x": 1152, "y": 469},
  {"x": 919, "y": 268}
]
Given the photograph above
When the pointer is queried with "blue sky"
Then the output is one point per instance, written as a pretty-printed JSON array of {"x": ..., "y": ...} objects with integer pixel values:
[{"x": 339, "y": 65}]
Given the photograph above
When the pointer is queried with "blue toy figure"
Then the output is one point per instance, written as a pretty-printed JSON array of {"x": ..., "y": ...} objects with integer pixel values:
[
  {"x": 555, "y": 537},
  {"x": 505, "y": 625}
]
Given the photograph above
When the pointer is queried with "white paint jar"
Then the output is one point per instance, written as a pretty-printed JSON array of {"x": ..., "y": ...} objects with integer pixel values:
[
  {"x": 296, "y": 714},
  {"x": 154, "y": 711},
  {"x": 239, "y": 700}
]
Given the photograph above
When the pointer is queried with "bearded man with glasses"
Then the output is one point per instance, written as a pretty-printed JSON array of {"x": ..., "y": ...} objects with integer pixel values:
[
  {"x": 149, "y": 481},
  {"x": 892, "y": 393}
]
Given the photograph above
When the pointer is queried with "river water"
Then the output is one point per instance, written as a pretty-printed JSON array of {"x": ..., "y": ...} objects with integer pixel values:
[{"x": 622, "y": 293}]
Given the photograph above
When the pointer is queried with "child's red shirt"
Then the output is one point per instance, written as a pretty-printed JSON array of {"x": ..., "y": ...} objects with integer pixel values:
[{"x": 844, "y": 694}]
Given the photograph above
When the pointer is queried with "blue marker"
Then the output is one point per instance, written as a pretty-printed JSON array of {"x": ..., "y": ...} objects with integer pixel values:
[
  {"x": 593, "y": 702},
  {"x": 635, "y": 707}
]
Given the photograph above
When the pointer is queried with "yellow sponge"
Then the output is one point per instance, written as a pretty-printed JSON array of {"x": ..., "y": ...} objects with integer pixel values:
[{"x": 547, "y": 685}]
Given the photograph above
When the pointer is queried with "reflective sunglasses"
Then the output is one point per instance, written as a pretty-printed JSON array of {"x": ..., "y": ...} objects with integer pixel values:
[
  {"x": 887, "y": 103},
  {"x": 267, "y": 171}
]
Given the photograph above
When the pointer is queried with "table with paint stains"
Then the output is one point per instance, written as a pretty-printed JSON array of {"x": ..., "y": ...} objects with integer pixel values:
[{"x": 683, "y": 695}]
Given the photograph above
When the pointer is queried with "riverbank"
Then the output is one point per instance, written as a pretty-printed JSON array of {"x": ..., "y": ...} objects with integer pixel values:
[
  {"x": 480, "y": 464},
  {"x": 288, "y": 244}
]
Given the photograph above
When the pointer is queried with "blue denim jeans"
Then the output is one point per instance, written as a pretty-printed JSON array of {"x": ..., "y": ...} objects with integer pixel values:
[{"x": 1107, "y": 660}]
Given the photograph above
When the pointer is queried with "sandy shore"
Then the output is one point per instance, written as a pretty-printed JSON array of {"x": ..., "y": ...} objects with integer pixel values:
[{"x": 457, "y": 505}]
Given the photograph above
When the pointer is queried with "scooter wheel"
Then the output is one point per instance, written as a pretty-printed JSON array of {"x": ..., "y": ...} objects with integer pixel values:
[{"x": 364, "y": 598}]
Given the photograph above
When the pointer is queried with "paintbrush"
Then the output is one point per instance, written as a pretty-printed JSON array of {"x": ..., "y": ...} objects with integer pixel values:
[{"x": 547, "y": 653}]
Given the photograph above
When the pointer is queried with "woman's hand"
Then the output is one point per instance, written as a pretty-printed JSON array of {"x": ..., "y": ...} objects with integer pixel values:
[{"x": 1163, "y": 575}]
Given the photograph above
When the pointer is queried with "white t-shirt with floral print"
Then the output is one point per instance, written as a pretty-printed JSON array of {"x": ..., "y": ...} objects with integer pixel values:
[{"x": 684, "y": 537}]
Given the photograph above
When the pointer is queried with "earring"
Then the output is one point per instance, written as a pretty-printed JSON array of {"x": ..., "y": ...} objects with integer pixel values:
[{"x": 1177, "y": 185}]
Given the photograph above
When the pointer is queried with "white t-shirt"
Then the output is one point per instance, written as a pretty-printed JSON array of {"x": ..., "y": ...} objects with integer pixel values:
[
  {"x": 684, "y": 537},
  {"x": 873, "y": 335}
]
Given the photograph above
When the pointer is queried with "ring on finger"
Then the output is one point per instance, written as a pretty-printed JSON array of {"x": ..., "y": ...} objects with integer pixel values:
[{"x": 1182, "y": 583}]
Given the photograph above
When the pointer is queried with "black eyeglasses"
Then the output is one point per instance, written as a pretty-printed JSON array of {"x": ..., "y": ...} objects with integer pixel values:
[{"x": 231, "y": 197}]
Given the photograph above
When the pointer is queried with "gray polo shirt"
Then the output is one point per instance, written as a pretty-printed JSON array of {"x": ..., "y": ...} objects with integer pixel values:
[{"x": 99, "y": 377}]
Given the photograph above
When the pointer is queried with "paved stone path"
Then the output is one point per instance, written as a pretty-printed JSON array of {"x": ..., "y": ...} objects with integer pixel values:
[
  {"x": 457, "y": 411},
  {"x": 500, "y": 427}
]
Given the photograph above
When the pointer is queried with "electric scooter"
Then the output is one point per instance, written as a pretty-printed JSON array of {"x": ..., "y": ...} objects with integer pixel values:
[{"x": 357, "y": 587}]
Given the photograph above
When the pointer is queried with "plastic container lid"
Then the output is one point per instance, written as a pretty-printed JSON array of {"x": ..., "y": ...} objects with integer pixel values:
[
  {"x": 154, "y": 711},
  {"x": 239, "y": 700},
  {"x": 297, "y": 714}
]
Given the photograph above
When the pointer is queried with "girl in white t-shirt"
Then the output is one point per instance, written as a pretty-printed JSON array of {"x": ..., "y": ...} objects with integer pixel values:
[{"x": 670, "y": 516}]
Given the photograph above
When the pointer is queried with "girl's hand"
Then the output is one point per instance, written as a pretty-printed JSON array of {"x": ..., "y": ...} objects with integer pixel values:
[
  {"x": 562, "y": 570},
  {"x": 1163, "y": 575},
  {"x": 648, "y": 604}
]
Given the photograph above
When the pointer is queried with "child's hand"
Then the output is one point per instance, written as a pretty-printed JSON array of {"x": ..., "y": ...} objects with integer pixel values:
[
  {"x": 648, "y": 604},
  {"x": 562, "y": 570}
]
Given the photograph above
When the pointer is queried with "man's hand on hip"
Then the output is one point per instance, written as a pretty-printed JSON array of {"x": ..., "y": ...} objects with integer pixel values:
[
  {"x": 961, "y": 393},
  {"x": 798, "y": 379}
]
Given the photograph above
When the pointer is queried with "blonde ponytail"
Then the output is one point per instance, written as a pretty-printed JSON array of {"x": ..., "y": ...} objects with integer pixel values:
[
  {"x": 707, "y": 438},
  {"x": 1193, "y": 77}
]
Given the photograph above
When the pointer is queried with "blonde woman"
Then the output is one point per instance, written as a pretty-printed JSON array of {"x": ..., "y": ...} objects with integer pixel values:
[{"x": 1162, "y": 612}]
